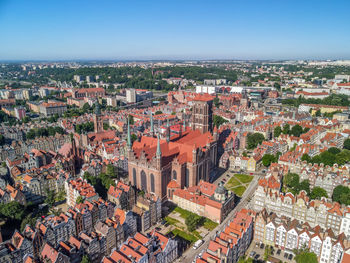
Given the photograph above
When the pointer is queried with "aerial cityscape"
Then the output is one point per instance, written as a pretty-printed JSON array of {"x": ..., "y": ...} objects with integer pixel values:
[{"x": 174, "y": 131}]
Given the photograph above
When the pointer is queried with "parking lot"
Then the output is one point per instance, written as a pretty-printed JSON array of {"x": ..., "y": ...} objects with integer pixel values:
[{"x": 257, "y": 251}]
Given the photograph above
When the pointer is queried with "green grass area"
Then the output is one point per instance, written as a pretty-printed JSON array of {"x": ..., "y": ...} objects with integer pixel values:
[
  {"x": 196, "y": 234},
  {"x": 239, "y": 190},
  {"x": 210, "y": 225},
  {"x": 244, "y": 178},
  {"x": 191, "y": 238},
  {"x": 207, "y": 223},
  {"x": 171, "y": 221},
  {"x": 183, "y": 213},
  {"x": 233, "y": 182}
]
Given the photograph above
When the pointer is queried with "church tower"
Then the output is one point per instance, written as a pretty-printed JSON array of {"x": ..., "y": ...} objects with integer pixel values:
[
  {"x": 98, "y": 123},
  {"x": 202, "y": 113}
]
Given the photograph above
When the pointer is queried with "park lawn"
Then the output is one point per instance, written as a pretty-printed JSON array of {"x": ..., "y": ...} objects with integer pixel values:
[
  {"x": 233, "y": 182},
  {"x": 239, "y": 190},
  {"x": 196, "y": 234},
  {"x": 189, "y": 237},
  {"x": 210, "y": 225},
  {"x": 207, "y": 223},
  {"x": 183, "y": 213},
  {"x": 244, "y": 178},
  {"x": 171, "y": 221}
]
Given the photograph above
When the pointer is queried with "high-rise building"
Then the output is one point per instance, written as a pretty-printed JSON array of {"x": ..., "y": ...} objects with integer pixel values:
[
  {"x": 130, "y": 95},
  {"x": 20, "y": 112}
]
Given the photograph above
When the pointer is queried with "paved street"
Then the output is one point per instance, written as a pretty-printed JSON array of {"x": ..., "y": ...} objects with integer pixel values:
[{"x": 191, "y": 253}]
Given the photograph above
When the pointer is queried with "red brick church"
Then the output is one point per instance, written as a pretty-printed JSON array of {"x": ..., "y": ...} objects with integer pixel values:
[{"x": 179, "y": 161}]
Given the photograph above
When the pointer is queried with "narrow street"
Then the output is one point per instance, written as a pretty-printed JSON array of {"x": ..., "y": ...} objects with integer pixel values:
[{"x": 191, "y": 253}]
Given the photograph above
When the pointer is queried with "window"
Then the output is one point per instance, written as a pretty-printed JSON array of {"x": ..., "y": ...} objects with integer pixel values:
[
  {"x": 174, "y": 175},
  {"x": 152, "y": 183},
  {"x": 143, "y": 180},
  {"x": 187, "y": 179},
  {"x": 134, "y": 176}
]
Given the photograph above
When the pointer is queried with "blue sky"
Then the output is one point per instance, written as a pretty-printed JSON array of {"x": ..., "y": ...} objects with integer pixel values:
[{"x": 177, "y": 29}]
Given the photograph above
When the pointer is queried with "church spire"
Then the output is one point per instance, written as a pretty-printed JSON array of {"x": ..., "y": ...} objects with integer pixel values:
[
  {"x": 167, "y": 131},
  {"x": 129, "y": 136},
  {"x": 159, "y": 152},
  {"x": 152, "y": 127}
]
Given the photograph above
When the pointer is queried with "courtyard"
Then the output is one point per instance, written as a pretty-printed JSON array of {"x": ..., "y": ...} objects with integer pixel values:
[{"x": 238, "y": 183}]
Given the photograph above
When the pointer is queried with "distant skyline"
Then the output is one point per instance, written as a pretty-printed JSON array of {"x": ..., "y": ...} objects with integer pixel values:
[{"x": 171, "y": 30}]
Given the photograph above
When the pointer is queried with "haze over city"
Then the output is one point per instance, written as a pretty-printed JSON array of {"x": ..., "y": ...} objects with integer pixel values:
[{"x": 71, "y": 30}]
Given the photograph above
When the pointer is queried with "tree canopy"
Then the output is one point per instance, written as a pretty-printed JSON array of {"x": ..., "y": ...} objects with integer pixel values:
[
  {"x": 341, "y": 194},
  {"x": 277, "y": 131},
  {"x": 318, "y": 192},
  {"x": 267, "y": 159},
  {"x": 218, "y": 121},
  {"x": 330, "y": 157},
  {"x": 306, "y": 257},
  {"x": 254, "y": 139},
  {"x": 84, "y": 127},
  {"x": 346, "y": 144}
]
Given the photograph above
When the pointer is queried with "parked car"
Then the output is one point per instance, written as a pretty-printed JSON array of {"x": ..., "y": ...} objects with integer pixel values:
[
  {"x": 198, "y": 244},
  {"x": 262, "y": 246},
  {"x": 256, "y": 256},
  {"x": 279, "y": 252},
  {"x": 252, "y": 254},
  {"x": 290, "y": 257},
  {"x": 285, "y": 255}
]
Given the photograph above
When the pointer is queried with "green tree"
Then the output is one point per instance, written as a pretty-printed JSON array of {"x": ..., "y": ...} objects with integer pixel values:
[
  {"x": 79, "y": 200},
  {"x": 85, "y": 259},
  {"x": 158, "y": 112},
  {"x": 291, "y": 180},
  {"x": 304, "y": 185},
  {"x": 318, "y": 192},
  {"x": 306, "y": 257},
  {"x": 245, "y": 260},
  {"x": 50, "y": 197},
  {"x": 306, "y": 157},
  {"x": 2, "y": 139},
  {"x": 192, "y": 222},
  {"x": 218, "y": 121},
  {"x": 286, "y": 129},
  {"x": 133, "y": 138},
  {"x": 131, "y": 119},
  {"x": 347, "y": 144},
  {"x": 12, "y": 210},
  {"x": 334, "y": 150},
  {"x": 86, "y": 107},
  {"x": 318, "y": 113},
  {"x": 268, "y": 159},
  {"x": 267, "y": 252},
  {"x": 277, "y": 131},
  {"x": 297, "y": 130},
  {"x": 277, "y": 86},
  {"x": 341, "y": 194},
  {"x": 254, "y": 139},
  {"x": 106, "y": 180},
  {"x": 28, "y": 220},
  {"x": 216, "y": 102},
  {"x": 30, "y": 134},
  {"x": 112, "y": 171}
]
